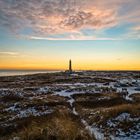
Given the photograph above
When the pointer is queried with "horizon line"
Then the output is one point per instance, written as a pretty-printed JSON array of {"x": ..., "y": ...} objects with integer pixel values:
[{"x": 66, "y": 69}]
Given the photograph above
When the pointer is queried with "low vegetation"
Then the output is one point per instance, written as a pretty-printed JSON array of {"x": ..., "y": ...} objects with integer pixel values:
[{"x": 60, "y": 106}]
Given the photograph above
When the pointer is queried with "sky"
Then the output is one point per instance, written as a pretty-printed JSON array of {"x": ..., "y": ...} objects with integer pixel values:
[{"x": 94, "y": 34}]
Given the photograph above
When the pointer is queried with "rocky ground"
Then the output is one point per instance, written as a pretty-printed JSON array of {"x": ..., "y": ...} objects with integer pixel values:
[{"x": 86, "y": 105}]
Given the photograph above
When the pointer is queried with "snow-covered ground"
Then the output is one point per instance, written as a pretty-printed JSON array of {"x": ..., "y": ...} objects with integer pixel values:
[
  {"x": 132, "y": 133},
  {"x": 79, "y": 88},
  {"x": 16, "y": 107}
]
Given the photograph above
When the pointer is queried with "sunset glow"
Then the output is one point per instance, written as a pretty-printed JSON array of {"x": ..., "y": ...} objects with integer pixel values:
[{"x": 95, "y": 34}]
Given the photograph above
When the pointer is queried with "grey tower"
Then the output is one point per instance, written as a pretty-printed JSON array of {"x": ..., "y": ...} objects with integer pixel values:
[{"x": 70, "y": 66}]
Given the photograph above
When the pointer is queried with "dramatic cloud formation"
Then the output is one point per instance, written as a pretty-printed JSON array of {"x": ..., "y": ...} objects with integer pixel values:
[{"x": 45, "y": 18}]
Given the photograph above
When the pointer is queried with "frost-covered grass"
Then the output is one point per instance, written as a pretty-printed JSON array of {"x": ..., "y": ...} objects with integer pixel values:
[
  {"x": 112, "y": 121},
  {"x": 76, "y": 106},
  {"x": 127, "y": 125},
  {"x": 135, "y": 97},
  {"x": 61, "y": 124}
]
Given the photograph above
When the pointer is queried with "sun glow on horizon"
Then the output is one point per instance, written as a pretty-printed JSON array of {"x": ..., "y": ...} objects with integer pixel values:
[{"x": 46, "y": 34}]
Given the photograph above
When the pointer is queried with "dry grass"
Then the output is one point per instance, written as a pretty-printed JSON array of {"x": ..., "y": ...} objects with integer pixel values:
[
  {"x": 99, "y": 100},
  {"x": 101, "y": 114},
  {"x": 11, "y": 97},
  {"x": 136, "y": 97},
  {"x": 133, "y": 109},
  {"x": 60, "y": 125},
  {"x": 99, "y": 111}
]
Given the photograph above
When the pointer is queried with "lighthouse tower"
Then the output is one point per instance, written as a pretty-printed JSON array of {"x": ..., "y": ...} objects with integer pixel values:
[
  {"x": 70, "y": 66},
  {"x": 69, "y": 71}
]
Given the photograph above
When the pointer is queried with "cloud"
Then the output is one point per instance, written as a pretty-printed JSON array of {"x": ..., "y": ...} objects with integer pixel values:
[
  {"x": 9, "y": 53},
  {"x": 133, "y": 33},
  {"x": 72, "y": 37},
  {"x": 51, "y": 17},
  {"x": 136, "y": 28}
]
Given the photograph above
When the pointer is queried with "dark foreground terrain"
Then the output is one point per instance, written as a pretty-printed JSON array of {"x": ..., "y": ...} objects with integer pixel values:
[{"x": 81, "y": 106}]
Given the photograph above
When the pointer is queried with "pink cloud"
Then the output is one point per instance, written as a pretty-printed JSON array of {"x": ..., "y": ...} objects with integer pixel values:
[{"x": 47, "y": 17}]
